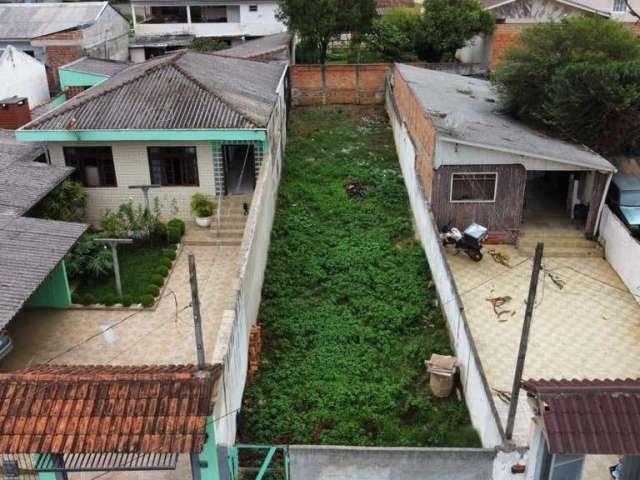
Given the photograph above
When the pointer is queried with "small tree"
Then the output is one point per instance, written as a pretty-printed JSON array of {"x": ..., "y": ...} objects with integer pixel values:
[
  {"x": 208, "y": 44},
  {"x": 579, "y": 77},
  {"x": 318, "y": 22},
  {"x": 393, "y": 35},
  {"x": 449, "y": 25}
]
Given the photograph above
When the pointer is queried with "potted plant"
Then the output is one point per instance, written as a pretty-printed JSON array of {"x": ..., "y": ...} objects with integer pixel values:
[{"x": 202, "y": 209}]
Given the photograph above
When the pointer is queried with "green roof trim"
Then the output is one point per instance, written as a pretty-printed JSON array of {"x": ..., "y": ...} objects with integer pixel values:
[
  {"x": 137, "y": 135},
  {"x": 70, "y": 78}
]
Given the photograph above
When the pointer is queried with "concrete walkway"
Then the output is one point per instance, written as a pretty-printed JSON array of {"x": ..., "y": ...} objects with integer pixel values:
[{"x": 125, "y": 337}]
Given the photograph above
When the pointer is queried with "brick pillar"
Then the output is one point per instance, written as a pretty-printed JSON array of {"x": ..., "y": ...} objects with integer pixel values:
[
  {"x": 58, "y": 55},
  {"x": 73, "y": 91},
  {"x": 255, "y": 347}
]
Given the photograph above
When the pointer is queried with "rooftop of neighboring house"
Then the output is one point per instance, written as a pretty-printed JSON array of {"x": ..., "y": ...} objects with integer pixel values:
[
  {"x": 161, "y": 41},
  {"x": 259, "y": 48},
  {"x": 181, "y": 90},
  {"x": 160, "y": 409},
  {"x": 24, "y": 21},
  {"x": 96, "y": 66},
  {"x": 589, "y": 416},
  {"x": 464, "y": 110},
  {"x": 23, "y": 181},
  {"x": 598, "y": 7},
  {"x": 383, "y": 5}
]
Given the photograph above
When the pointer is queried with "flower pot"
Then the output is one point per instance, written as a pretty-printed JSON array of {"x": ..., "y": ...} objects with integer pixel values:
[{"x": 203, "y": 222}]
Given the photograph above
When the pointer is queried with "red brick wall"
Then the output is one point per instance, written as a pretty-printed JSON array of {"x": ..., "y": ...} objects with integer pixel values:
[
  {"x": 420, "y": 129},
  {"x": 14, "y": 115},
  {"x": 58, "y": 55},
  {"x": 505, "y": 36},
  {"x": 255, "y": 347},
  {"x": 73, "y": 91},
  {"x": 338, "y": 84}
]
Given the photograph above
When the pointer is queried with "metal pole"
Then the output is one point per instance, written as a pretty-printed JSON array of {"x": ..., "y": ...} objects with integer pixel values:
[
  {"x": 195, "y": 304},
  {"x": 524, "y": 340},
  {"x": 116, "y": 267}
]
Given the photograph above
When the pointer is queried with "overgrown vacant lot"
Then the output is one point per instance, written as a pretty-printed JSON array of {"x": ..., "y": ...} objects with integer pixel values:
[{"x": 347, "y": 316}]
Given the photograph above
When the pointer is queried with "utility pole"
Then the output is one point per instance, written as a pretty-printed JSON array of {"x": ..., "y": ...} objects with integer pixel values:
[
  {"x": 524, "y": 340},
  {"x": 113, "y": 243},
  {"x": 145, "y": 190},
  {"x": 195, "y": 304}
]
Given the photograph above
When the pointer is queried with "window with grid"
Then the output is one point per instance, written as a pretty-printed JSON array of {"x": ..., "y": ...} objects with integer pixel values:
[
  {"x": 619, "y": 6},
  {"x": 473, "y": 187},
  {"x": 93, "y": 165},
  {"x": 173, "y": 166}
]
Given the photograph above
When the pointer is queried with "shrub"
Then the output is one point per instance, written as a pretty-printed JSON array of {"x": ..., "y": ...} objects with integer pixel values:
[
  {"x": 157, "y": 280},
  {"x": 173, "y": 235},
  {"x": 127, "y": 300},
  {"x": 207, "y": 44},
  {"x": 110, "y": 299},
  {"x": 170, "y": 254},
  {"x": 167, "y": 262},
  {"x": 173, "y": 247},
  {"x": 66, "y": 202},
  {"x": 147, "y": 300},
  {"x": 88, "y": 299},
  {"x": 75, "y": 298},
  {"x": 201, "y": 205},
  {"x": 153, "y": 290},
  {"x": 158, "y": 232},
  {"x": 394, "y": 34},
  {"x": 162, "y": 271},
  {"x": 176, "y": 222},
  {"x": 89, "y": 259}
]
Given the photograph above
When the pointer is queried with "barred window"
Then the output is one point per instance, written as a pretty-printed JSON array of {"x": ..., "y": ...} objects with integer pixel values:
[
  {"x": 473, "y": 187},
  {"x": 173, "y": 166},
  {"x": 619, "y": 6}
]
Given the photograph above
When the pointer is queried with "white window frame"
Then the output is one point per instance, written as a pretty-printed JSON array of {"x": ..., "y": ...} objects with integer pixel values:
[{"x": 495, "y": 187}]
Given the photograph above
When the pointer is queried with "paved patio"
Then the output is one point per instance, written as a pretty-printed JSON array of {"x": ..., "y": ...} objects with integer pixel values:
[
  {"x": 125, "y": 337},
  {"x": 589, "y": 328}
]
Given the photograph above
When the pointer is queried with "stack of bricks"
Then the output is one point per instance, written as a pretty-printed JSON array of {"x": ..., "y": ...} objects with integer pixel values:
[{"x": 255, "y": 347}]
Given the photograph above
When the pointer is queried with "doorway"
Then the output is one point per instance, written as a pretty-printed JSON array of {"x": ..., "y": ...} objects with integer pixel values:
[
  {"x": 551, "y": 198},
  {"x": 239, "y": 169}
]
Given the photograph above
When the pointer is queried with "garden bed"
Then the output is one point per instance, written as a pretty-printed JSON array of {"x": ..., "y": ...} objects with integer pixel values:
[{"x": 347, "y": 315}]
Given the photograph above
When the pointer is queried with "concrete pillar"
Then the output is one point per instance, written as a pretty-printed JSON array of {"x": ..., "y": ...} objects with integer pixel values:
[
  {"x": 133, "y": 15},
  {"x": 189, "y": 14},
  {"x": 204, "y": 466}
]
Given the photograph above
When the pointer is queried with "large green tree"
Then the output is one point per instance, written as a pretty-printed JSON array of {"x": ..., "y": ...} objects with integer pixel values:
[
  {"x": 448, "y": 26},
  {"x": 580, "y": 78},
  {"x": 318, "y": 22}
]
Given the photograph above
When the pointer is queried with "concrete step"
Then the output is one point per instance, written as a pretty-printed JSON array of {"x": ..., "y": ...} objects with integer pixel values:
[
  {"x": 566, "y": 252},
  {"x": 213, "y": 243},
  {"x": 225, "y": 234},
  {"x": 569, "y": 242},
  {"x": 547, "y": 233}
]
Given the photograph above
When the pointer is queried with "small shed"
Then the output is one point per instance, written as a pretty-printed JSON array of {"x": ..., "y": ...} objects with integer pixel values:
[{"x": 23, "y": 76}]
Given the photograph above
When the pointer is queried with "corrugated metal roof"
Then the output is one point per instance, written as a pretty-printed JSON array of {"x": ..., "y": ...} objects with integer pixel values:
[
  {"x": 30, "y": 248},
  {"x": 184, "y": 90},
  {"x": 31, "y": 20},
  {"x": 465, "y": 109},
  {"x": 260, "y": 47},
  {"x": 105, "y": 409},
  {"x": 23, "y": 182},
  {"x": 594, "y": 417},
  {"x": 96, "y": 66}
]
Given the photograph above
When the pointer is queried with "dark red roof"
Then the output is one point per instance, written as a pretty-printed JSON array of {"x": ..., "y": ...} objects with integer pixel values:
[
  {"x": 105, "y": 409},
  {"x": 590, "y": 416}
]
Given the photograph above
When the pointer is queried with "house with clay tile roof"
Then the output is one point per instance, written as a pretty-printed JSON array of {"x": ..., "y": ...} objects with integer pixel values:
[{"x": 186, "y": 123}]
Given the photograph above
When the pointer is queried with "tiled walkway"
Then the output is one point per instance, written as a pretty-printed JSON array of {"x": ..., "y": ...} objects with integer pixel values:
[
  {"x": 588, "y": 329},
  {"x": 161, "y": 336}
]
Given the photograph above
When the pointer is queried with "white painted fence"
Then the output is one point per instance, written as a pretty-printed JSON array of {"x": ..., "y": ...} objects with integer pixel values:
[
  {"x": 622, "y": 250},
  {"x": 476, "y": 388},
  {"x": 232, "y": 346}
]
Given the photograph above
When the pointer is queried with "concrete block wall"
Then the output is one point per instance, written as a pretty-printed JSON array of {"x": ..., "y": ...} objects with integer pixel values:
[{"x": 316, "y": 462}]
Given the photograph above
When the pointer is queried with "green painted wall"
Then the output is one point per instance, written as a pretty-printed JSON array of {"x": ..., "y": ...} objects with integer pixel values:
[
  {"x": 137, "y": 135},
  {"x": 210, "y": 453},
  {"x": 59, "y": 100},
  {"x": 69, "y": 78},
  {"x": 54, "y": 292}
]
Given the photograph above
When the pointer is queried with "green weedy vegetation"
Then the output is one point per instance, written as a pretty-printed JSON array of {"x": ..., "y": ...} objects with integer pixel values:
[{"x": 347, "y": 316}]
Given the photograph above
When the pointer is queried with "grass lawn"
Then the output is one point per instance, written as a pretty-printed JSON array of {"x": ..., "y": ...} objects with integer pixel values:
[
  {"x": 347, "y": 316},
  {"x": 137, "y": 264}
]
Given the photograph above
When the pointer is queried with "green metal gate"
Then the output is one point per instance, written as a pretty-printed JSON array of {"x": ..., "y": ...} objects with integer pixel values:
[{"x": 259, "y": 462}]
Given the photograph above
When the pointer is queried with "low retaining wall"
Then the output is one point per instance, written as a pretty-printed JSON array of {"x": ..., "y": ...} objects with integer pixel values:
[
  {"x": 314, "y": 462},
  {"x": 479, "y": 400},
  {"x": 355, "y": 84},
  {"x": 622, "y": 250}
]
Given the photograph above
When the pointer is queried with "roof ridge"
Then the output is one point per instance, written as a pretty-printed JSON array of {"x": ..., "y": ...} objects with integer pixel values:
[
  {"x": 206, "y": 89},
  {"x": 86, "y": 98}
]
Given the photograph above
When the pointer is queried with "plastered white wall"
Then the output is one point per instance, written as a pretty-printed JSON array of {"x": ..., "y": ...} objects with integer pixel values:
[
  {"x": 621, "y": 250},
  {"x": 132, "y": 168},
  {"x": 24, "y": 76}
]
